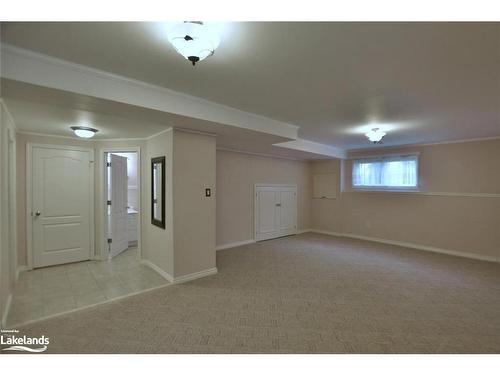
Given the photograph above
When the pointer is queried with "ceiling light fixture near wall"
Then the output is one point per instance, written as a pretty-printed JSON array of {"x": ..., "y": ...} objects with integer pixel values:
[
  {"x": 84, "y": 132},
  {"x": 194, "y": 40},
  {"x": 375, "y": 135}
]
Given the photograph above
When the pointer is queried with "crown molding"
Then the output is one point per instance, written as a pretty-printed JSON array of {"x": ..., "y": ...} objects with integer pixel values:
[
  {"x": 9, "y": 115},
  {"x": 314, "y": 148},
  {"x": 190, "y": 131},
  {"x": 408, "y": 145},
  {"x": 34, "y": 68},
  {"x": 23, "y": 132},
  {"x": 264, "y": 155},
  {"x": 157, "y": 134}
]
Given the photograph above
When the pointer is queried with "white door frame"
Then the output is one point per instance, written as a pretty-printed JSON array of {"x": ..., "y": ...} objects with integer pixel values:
[
  {"x": 11, "y": 149},
  {"x": 103, "y": 254},
  {"x": 29, "y": 195},
  {"x": 259, "y": 185}
]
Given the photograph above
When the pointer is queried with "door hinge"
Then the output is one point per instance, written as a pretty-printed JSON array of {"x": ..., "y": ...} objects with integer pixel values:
[
  {"x": 108, "y": 164},
  {"x": 110, "y": 240},
  {"x": 108, "y": 203}
]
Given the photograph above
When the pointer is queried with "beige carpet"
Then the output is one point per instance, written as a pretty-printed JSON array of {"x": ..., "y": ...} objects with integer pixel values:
[{"x": 305, "y": 294}]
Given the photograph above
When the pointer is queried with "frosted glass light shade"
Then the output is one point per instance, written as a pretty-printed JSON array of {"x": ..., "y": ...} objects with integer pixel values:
[
  {"x": 84, "y": 132},
  {"x": 375, "y": 135},
  {"x": 194, "y": 40}
]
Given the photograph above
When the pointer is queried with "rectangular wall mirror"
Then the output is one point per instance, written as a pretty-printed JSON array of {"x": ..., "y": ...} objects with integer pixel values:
[{"x": 158, "y": 191}]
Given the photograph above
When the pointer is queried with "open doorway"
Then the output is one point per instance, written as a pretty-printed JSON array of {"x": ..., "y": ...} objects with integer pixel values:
[
  {"x": 122, "y": 202},
  {"x": 72, "y": 281}
]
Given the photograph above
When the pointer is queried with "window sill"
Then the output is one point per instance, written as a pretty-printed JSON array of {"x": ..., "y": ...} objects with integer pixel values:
[{"x": 375, "y": 190}]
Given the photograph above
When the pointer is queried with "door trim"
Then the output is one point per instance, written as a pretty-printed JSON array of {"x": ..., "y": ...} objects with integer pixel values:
[
  {"x": 29, "y": 195},
  {"x": 102, "y": 254},
  {"x": 255, "y": 208},
  {"x": 12, "y": 205}
]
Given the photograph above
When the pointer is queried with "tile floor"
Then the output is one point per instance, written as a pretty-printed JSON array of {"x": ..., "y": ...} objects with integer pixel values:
[{"x": 52, "y": 290}]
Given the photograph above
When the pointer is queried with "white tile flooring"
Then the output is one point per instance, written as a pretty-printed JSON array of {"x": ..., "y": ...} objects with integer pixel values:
[{"x": 52, "y": 290}]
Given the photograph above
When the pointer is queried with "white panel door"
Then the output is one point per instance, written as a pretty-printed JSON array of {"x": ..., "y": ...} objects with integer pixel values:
[
  {"x": 118, "y": 228},
  {"x": 61, "y": 205},
  {"x": 287, "y": 211},
  {"x": 275, "y": 211},
  {"x": 266, "y": 213}
]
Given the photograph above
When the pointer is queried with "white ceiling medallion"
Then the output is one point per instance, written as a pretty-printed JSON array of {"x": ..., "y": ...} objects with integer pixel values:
[
  {"x": 84, "y": 132},
  {"x": 375, "y": 135},
  {"x": 194, "y": 40}
]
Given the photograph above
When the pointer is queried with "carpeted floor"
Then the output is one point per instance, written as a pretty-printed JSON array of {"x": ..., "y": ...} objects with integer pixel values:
[{"x": 309, "y": 293}]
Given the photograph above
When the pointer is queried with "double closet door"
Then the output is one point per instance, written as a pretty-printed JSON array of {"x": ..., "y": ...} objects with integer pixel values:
[{"x": 275, "y": 211}]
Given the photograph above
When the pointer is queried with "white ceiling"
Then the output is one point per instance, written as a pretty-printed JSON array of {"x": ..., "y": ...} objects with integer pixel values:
[
  {"x": 43, "y": 110},
  {"x": 424, "y": 82}
]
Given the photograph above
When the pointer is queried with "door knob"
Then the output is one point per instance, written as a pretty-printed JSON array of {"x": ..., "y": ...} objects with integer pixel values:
[
  {"x": 278, "y": 204},
  {"x": 38, "y": 213}
]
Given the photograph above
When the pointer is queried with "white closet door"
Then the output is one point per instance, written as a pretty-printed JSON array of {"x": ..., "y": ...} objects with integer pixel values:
[
  {"x": 118, "y": 214},
  {"x": 275, "y": 211},
  {"x": 288, "y": 211},
  {"x": 266, "y": 213}
]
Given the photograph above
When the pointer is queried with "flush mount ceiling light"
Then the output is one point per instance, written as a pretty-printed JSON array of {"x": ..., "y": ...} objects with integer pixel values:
[
  {"x": 84, "y": 132},
  {"x": 375, "y": 135},
  {"x": 194, "y": 40}
]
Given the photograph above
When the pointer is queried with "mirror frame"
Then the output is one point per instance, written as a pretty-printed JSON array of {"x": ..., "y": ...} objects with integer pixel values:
[{"x": 158, "y": 161}]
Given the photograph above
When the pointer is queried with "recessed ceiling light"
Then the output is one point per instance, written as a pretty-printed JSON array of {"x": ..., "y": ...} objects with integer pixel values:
[
  {"x": 375, "y": 135},
  {"x": 194, "y": 40},
  {"x": 84, "y": 132}
]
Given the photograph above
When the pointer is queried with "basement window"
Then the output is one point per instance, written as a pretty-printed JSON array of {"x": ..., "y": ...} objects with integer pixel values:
[{"x": 394, "y": 172}]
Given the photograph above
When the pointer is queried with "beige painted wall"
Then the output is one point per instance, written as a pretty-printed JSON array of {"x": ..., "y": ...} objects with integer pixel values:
[
  {"x": 196, "y": 224},
  {"x": 194, "y": 214},
  {"x": 8, "y": 258},
  {"x": 326, "y": 213},
  {"x": 194, "y": 229},
  {"x": 466, "y": 167},
  {"x": 237, "y": 173},
  {"x": 447, "y": 221}
]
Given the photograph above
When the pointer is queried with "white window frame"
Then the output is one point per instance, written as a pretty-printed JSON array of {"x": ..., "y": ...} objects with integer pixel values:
[{"x": 415, "y": 188}]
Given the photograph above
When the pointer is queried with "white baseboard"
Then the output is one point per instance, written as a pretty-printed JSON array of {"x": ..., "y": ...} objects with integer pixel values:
[
  {"x": 411, "y": 246},
  {"x": 234, "y": 244},
  {"x": 300, "y": 231},
  {"x": 161, "y": 272},
  {"x": 6, "y": 311},
  {"x": 246, "y": 242},
  {"x": 195, "y": 275},
  {"x": 21, "y": 269},
  {"x": 337, "y": 234},
  {"x": 179, "y": 279}
]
